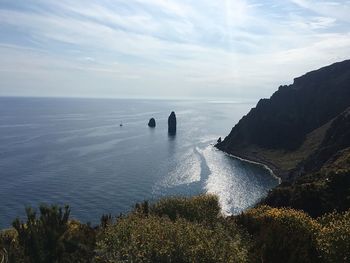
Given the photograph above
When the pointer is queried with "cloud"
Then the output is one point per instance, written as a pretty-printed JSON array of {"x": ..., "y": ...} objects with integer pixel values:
[
  {"x": 339, "y": 10},
  {"x": 169, "y": 6},
  {"x": 165, "y": 48}
]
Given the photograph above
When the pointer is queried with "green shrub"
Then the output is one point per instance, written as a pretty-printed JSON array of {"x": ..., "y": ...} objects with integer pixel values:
[
  {"x": 316, "y": 193},
  {"x": 179, "y": 230},
  {"x": 203, "y": 208},
  {"x": 158, "y": 239},
  {"x": 10, "y": 251},
  {"x": 281, "y": 235},
  {"x": 41, "y": 237},
  {"x": 334, "y": 237},
  {"x": 52, "y": 238},
  {"x": 105, "y": 220},
  {"x": 79, "y": 243}
]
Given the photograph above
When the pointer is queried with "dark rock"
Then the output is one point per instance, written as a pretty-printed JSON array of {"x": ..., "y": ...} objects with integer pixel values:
[
  {"x": 336, "y": 139},
  {"x": 315, "y": 107},
  {"x": 219, "y": 140},
  {"x": 283, "y": 121},
  {"x": 152, "y": 123},
  {"x": 172, "y": 123}
]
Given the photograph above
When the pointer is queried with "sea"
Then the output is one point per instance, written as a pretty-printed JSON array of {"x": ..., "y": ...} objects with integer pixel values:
[{"x": 75, "y": 151}]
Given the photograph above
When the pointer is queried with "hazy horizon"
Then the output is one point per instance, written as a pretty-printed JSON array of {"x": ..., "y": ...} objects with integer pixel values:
[
  {"x": 223, "y": 100},
  {"x": 232, "y": 49}
]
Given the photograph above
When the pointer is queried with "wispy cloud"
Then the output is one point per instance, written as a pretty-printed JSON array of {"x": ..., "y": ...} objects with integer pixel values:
[
  {"x": 337, "y": 9},
  {"x": 236, "y": 48}
]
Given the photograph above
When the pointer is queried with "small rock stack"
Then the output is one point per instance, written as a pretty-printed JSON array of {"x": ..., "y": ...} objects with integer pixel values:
[{"x": 152, "y": 123}]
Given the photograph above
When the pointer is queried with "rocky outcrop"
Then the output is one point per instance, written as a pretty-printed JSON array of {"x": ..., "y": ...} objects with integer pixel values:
[
  {"x": 172, "y": 123},
  {"x": 283, "y": 121},
  {"x": 303, "y": 133},
  {"x": 152, "y": 123},
  {"x": 336, "y": 139}
]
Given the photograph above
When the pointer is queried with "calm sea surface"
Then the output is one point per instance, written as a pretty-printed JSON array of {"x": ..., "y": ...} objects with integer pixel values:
[{"x": 73, "y": 151}]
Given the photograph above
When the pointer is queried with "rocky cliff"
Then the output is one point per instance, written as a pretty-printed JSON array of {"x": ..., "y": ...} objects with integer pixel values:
[
  {"x": 277, "y": 129},
  {"x": 303, "y": 133},
  {"x": 283, "y": 121}
]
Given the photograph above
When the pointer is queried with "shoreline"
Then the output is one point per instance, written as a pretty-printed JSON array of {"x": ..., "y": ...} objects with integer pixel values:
[
  {"x": 271, "y": 171},
  {"x": 276, "y": 172}
]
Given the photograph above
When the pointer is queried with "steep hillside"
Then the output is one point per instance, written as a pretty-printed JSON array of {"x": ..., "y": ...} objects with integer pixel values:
[
  {"x": 322, "y": 181},
  {"x": 289, "y": 127},
  {"x": 283, "y": 121},
  {"x": 303, "y": 133},
  {"x": 319, "y": 192},
  {"x": 336, "y": 139}
]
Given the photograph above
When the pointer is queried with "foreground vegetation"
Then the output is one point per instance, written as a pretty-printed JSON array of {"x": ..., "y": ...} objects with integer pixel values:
[
  {"x": 318, "y": 192},
  {"x": 179, "y": 230}
]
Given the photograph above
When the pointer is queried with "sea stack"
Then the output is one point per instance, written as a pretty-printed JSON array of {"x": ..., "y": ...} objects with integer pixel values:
[
  {"x": 152, "y": 123},
  {"x": 172, "y": 123}
]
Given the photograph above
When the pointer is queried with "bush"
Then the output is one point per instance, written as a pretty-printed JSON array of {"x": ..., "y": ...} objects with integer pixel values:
[
  {"x": 179, "y": 230},
  {"x": 281, "y": 235},
  {"x": 10, "y": 251},
  {"x": 316, "y": 193},
  {"x": 158, "y": 239},
  {"x": 203, "y": 208},
  {"x": 105, "y": 220},
  {"x": 334, "y": 237},
  {"x": 79, "y": 243},
  {"x": 41, "y": 238},
  {"x": 52, "y": 238}
]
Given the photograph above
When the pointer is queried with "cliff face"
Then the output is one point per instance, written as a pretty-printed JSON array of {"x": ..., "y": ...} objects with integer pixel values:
[
  {"x": 336, "y": 139},
  {"x": 284, "y": 120},
  {"x": 303, "y": 133},
  {"x": 322, "y": 181}
]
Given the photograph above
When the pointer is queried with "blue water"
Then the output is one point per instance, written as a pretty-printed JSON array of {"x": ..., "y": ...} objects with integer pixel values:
[{"x": 73, "y": 151}]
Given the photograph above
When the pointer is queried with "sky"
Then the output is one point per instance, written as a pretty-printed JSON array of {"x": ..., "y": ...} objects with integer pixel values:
[{"x": 231, "y": 49}]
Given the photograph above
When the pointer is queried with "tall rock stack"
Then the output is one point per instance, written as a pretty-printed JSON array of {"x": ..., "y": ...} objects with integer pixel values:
[{"x": 172, "y": 123}]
